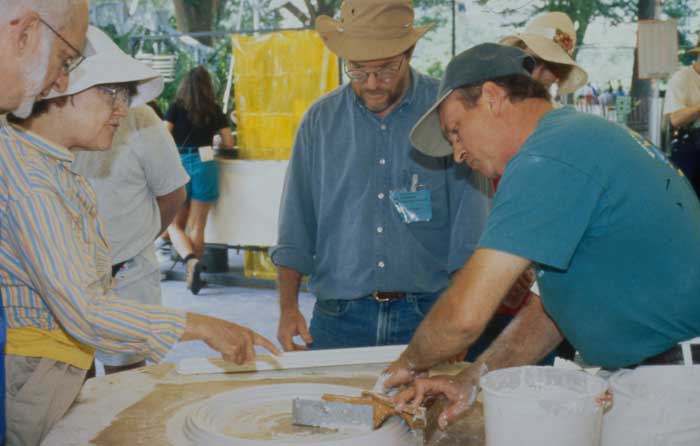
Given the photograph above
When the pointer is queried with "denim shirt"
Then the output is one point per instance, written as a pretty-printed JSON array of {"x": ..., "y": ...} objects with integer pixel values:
[{"x": 337, "y": 223}]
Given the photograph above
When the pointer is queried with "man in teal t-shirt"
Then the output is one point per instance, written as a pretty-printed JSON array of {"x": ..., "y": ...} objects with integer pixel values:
[
  {"x": 614, "y": 231},
  {"x": 611, "y": 227}
]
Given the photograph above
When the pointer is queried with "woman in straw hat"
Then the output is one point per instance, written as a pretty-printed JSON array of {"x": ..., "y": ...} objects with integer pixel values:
[
  {"x": 551, "y": 39},
  {"x": 56, "y": 275}
]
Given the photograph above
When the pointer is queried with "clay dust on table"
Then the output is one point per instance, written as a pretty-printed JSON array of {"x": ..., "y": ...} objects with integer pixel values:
[{"x": 145, "y": 422}]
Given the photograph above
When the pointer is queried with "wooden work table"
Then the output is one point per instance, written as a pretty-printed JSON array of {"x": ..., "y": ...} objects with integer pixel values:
[{"x": 102, "y": 400}]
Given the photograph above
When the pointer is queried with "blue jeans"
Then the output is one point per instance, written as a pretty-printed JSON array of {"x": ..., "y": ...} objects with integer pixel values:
[
  {"x": 364, "y": 322},
  {"x": 204, "y": 178}
]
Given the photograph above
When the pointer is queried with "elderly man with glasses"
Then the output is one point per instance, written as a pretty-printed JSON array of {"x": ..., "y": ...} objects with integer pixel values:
[
  {"x": 40, "y": 44},
  {"x": 377, "y": 226},
  {"x": 37, "y": 56}
]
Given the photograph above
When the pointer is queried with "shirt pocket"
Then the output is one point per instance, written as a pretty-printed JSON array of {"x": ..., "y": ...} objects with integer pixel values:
[{"x": 435, "y": 181}]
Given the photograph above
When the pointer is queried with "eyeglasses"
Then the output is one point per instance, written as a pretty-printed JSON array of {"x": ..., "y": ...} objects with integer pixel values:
[
  {"x": 72, "y": 63},
  {"x": 385, "y": 74},
  {"x": 118, "y": 95}
]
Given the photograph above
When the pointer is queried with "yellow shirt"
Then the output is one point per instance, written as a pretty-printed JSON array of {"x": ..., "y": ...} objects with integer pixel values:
[{"x": 52, "y": 344}]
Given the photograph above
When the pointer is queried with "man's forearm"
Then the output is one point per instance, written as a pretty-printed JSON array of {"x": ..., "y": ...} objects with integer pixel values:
[
  {"x": 169, "y": 205},
  {"x": 462, "y": 312},
  {"x": 685, "y": 116},
  {"x": 289, "y": 282},
  {"x": 527, "y": 339}
]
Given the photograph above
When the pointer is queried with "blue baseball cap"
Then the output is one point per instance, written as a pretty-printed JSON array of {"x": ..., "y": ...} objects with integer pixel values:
[{"x": 471, "y": 67}]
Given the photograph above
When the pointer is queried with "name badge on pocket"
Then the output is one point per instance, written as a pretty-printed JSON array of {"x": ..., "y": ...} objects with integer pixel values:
[
  {"x": 413, "y": 207},
  {"x": 206, "y": 153}
]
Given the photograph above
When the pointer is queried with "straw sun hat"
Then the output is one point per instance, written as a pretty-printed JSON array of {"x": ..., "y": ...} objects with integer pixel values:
[
  {"x": 552, "y": 37},
  {"x": 371, "y": 29},
  {"x": 106, "y": 63}
]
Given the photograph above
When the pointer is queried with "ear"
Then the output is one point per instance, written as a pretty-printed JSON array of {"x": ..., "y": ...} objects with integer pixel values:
[
  {"x": 494, "y": 97},
  {"x": 26, "y": 32}
]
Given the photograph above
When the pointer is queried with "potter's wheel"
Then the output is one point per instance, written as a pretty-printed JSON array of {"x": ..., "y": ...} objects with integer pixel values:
[{"x": 262, "y": 415}]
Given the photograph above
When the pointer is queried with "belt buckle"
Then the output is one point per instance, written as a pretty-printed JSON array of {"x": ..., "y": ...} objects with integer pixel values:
[{"x": 375, "y": 294}]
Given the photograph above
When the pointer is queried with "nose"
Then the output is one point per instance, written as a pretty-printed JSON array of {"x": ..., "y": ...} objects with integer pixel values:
[
  {"x": 372, "y": 80},
  {"x": 121, "y": 109}
]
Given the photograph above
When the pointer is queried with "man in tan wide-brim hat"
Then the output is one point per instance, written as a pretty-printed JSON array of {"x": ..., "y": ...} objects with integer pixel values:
[
  {"x": 682, "y": 106},
  {"x": 551, "y": 39},
  {"x": 377, "y": 226}
]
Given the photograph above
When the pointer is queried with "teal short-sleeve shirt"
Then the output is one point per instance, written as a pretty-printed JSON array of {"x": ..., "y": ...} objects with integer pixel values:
[{"x": 614, "y": 230}]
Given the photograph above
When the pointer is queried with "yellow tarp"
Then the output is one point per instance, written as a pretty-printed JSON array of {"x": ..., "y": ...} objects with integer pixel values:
[{"x": 276, "y": 78}]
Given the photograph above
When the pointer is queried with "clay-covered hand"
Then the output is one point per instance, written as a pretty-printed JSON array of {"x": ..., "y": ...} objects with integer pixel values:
[
  {"x": 292, "y": 323},
  {"x": 234, "y": 342},
  {"x": 400, "y": 372},
  {"x": 460, "y": 390}
]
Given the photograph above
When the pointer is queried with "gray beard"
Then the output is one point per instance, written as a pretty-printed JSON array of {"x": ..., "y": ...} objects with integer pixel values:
[{"x": 34, "y": 74}]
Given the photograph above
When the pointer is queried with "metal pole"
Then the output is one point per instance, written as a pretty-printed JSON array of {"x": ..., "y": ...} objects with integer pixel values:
[{"x": 655, "y": 106}]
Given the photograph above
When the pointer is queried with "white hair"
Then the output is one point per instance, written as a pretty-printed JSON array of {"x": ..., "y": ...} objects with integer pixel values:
[{"x": 58, "y": 13}]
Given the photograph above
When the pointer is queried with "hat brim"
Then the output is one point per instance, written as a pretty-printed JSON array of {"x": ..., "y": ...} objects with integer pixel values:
[
  {"x": 548, "y": 50},
  {"x": 98, "y": 70},
  {"x": 427, "y": 137},
  {"x": 365, "y": 48}
]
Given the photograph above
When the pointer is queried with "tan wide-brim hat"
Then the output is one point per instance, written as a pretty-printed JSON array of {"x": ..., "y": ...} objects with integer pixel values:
[
  {"x": 371, "y": 29},
  {"x": 106, "y": 63},
  {"x": 552, "y": 37}
]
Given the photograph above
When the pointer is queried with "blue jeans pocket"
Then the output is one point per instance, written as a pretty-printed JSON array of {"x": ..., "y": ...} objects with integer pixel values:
[
  {"x": 423, "y": 304},
  {"x": 332, "y": 307}
]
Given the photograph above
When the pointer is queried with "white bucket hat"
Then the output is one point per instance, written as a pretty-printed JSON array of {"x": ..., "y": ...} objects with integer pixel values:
[
  {"x": 106, "y": 63},
  {"x": 552, "y": 37}
]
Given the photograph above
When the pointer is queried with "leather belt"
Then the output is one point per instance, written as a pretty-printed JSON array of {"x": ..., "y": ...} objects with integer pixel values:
[
  {"x": 673, "y": 356},
  {"x": 386, "y": 296},
  {"x": 186, "y": 150}
]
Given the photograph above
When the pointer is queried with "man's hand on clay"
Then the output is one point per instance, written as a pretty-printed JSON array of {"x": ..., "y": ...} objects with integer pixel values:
[
  {"x": 234, "y": 342},
  {"x": 460, "y": 391},
  {"x": 292, "y": 323},
  {"x": 400, "y": 372}
]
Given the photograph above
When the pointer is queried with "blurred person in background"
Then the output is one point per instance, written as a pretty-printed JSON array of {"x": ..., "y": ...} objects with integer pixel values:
[
  {"x": 140, "y": 186},
  {"x": 194, "y": 119},
  {"x": 550, "y": 38},
  {"x": 682, "y": 106}
]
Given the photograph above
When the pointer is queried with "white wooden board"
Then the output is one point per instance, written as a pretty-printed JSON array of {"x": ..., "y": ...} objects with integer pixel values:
[{"x": 294, "y": 360}]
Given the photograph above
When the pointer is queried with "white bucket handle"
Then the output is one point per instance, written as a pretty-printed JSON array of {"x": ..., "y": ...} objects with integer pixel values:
[{"x": 687, "y": 352}]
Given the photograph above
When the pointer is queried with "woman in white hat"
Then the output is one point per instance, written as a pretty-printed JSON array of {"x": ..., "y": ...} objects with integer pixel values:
[
  {"x": 551, "y": 39},
  {"x": 55, "y": 273}
]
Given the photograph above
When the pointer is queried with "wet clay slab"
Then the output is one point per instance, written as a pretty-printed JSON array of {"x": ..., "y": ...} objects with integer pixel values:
[{"x": 158, "y": 419}]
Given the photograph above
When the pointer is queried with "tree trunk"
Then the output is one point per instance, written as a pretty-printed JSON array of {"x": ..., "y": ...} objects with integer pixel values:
[
  {"x": 196, "y": 16},
  {"x": 641, "y": 88}
]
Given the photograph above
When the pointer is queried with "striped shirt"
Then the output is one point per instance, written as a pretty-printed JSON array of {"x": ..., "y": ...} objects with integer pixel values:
[{"x": 55, "y": 269}]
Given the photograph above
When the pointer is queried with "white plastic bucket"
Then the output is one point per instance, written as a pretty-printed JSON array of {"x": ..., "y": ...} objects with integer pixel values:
[
  {"x": 543, "y": 406},
  {"x": 654, "y": 406}
]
